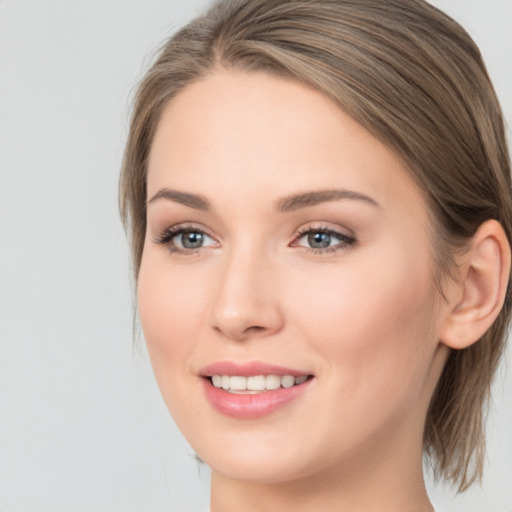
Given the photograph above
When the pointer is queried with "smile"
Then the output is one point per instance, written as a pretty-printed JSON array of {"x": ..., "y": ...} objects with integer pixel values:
[
  {"x": 256, "y": 383},
  {"x": 254, "y": 389}
]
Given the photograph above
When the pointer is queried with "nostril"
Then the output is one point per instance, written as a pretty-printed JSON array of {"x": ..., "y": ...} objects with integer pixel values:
[
  {"x": 254, "y": 328},
  {"x": 240, "y": 334}
]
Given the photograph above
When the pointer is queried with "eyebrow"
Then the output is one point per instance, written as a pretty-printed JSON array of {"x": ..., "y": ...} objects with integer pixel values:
[
  {"x": 307, "y": 199},
  {"x": 191, "y": 200},
  {"x": 285, "y": 204}
]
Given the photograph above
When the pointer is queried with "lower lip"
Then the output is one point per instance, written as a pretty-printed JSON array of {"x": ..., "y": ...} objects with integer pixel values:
[{"x": 246, "y": 406}]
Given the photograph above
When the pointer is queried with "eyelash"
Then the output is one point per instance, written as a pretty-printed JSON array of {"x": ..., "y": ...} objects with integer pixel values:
[
  {"x": 169, "y": 234},
  {"x": 346, "y": 241}
]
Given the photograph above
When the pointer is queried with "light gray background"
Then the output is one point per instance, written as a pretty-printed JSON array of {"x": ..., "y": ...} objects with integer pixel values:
[{"x": 82, "y": 425}]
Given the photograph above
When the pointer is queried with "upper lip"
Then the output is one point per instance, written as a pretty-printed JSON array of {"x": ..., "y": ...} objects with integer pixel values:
[{"x": 248, "y": 369}]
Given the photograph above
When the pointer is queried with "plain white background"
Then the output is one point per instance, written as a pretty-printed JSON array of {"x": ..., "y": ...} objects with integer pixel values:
[{"x": 82, "y": 425}]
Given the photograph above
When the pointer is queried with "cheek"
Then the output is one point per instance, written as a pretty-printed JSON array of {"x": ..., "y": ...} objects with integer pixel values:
[
  {"x": 373, "y": 322},
  {"x": 372, "y": 328},
  {"x": 171, "y": 307},
  {"x": 172, "y": 312}
]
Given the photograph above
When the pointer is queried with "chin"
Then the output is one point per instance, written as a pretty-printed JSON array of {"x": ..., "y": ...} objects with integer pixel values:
[
  {"x": 269, "y": 469},
  {"x": 257, "y": 457}
]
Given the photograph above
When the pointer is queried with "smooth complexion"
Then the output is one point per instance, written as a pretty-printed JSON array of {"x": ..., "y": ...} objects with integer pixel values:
[{"x": 337, "y": 286}]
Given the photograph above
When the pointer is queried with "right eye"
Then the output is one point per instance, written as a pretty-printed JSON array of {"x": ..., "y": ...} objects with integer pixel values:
[{"x": 185, "y": 239}]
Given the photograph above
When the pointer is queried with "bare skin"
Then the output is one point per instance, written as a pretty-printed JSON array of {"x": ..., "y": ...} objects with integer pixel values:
[{"x": 359, "y": 314}]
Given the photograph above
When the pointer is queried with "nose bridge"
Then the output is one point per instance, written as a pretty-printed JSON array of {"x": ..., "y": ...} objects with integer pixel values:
[{"x": 246, "y": 303}]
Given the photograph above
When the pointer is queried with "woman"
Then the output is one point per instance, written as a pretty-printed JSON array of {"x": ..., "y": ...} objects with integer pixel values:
[{"x": 319, "y": 202}]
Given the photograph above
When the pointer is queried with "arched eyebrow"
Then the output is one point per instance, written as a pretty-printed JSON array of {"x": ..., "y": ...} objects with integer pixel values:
[
  {"x": 191, "y": 200},
  {"x": 308, "y": 199},
  {"x": 285, "y": 204}
]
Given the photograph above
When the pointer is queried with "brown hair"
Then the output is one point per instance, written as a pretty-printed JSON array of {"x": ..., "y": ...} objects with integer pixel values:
[{"x": 415, "y": 79}]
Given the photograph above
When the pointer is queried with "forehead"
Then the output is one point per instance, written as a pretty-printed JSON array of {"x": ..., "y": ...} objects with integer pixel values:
[{"x": 256, "y": 137}]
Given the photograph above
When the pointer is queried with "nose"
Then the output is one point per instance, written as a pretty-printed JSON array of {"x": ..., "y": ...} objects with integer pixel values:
[{"x": 247, "y": 303}]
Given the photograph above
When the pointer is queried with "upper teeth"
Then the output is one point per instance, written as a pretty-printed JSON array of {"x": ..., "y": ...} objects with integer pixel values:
[{"x": 236, "y": 384}]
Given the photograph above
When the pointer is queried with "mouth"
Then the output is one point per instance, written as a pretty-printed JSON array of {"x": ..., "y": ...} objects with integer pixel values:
[
  {"x": 252, "y": 390},
  {"x": 256, "y": 384}
]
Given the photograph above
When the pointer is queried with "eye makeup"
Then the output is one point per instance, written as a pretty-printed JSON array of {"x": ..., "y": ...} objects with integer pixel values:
[{"x": 188, "y": 238}]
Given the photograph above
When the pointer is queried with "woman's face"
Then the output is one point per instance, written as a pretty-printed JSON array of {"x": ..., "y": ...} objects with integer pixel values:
[{"x": 286, "y": 246}]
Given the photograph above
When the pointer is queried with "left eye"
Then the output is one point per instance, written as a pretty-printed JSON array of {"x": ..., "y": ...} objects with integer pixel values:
[{"x": 323, "y": 239}]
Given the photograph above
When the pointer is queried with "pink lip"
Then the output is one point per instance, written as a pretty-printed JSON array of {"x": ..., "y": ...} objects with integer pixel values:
[{"x": 246, "y": 406}]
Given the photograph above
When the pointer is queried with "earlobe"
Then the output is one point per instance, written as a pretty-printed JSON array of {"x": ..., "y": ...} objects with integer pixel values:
[{"x": 483, "y": 282}]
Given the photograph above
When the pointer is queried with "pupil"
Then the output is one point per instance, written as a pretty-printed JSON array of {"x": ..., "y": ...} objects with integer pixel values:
[
  {"x": 319, "y": 240},
  {"x": 192, "y": 239}
]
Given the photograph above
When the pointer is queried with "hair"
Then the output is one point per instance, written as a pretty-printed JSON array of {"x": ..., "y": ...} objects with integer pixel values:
[{"x": 415, "y": 79}]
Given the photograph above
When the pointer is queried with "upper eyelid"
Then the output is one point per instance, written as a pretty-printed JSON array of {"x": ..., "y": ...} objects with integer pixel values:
[
  {"x": 344, "y": 232},
  {"x": 186, "y": 226},
  {"x": 176, "y": 229}
]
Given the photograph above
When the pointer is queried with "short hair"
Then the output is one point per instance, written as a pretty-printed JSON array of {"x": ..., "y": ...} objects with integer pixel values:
[{"x": 413, "y": 78}]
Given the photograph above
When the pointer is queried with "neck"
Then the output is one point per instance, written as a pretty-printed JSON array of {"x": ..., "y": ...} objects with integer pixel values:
[{"x": 228, "y": 495}]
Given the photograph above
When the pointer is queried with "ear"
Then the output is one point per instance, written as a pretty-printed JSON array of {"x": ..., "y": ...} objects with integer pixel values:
[{"x": 480, "y": 293}]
